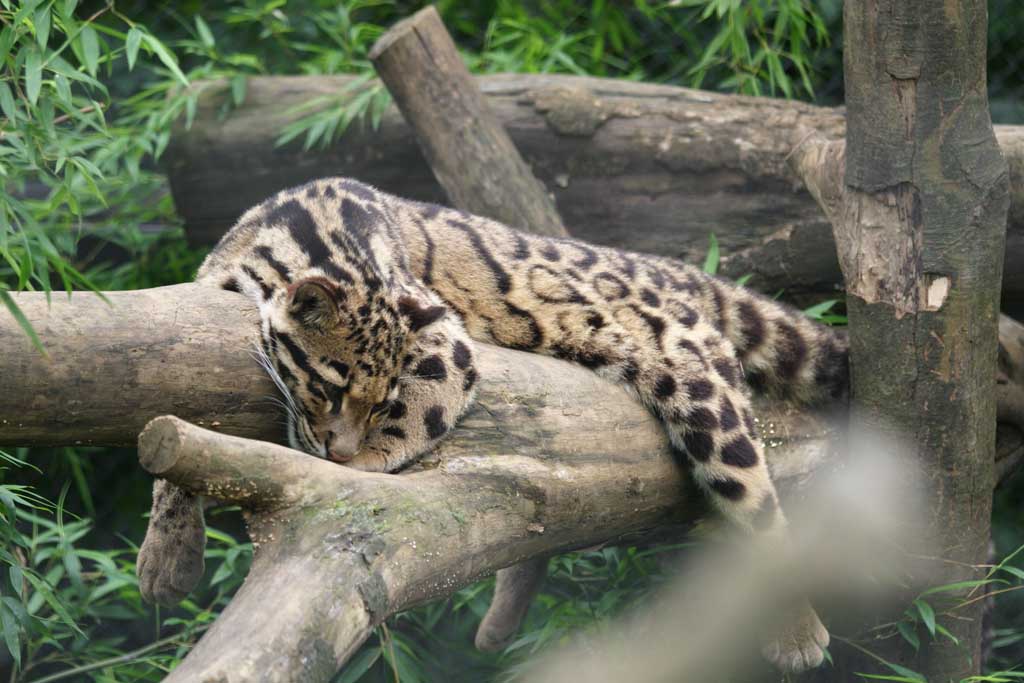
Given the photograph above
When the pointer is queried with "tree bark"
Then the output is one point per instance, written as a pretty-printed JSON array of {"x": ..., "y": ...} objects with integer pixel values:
[
  {"x": 640, "y": 166},
  {"x": 551, "y": 457},
  {"x": 918, "y": 199},
  {"x": 471, "y": 155}
]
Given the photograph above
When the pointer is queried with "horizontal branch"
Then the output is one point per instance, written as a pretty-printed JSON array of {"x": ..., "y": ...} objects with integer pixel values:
[
  {"x": 647, "y": 167},
  {"x": 550, "y": 458}
]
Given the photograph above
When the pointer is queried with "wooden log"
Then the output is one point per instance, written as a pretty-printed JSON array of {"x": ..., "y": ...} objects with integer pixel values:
[
  {"x": 471, "y": 155},
  {"x": 187, "y": 349},
  {"x": 641, "y": 166},
  {"x": 920, "y": 242},
  {"x": 551, "y": 457}
]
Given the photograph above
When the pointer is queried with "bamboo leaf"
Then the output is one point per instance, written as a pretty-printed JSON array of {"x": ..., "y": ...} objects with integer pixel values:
[
  {"x": 7, "y": 105},
  {"x": 165, "y": 56},
  {"x": 42, "y": 26},
  {"x": 927, "y": 615},
  {"x": 205, "y": 35},
  {"x": 33, "y": 74},
  {"x": 23, "y": 322},
  {"x": 90, "y": 49},
  {"x": 711, "y": 260},
  {"x": 10, "y": 628},
  {"x": 131, "y": 46}
]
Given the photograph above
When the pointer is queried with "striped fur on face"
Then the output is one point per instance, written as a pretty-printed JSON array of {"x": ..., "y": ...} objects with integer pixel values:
[{"x": 335, "y": 355}]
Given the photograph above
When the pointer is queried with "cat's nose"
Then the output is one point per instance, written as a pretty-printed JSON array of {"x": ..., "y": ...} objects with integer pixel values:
[{"x": 341, "y": 448}]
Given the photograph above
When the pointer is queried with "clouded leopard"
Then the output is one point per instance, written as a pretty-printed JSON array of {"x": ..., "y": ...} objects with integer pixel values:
[{"x": 369, "y": 308}]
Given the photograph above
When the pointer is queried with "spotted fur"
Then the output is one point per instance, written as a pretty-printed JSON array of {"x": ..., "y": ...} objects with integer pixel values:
[{"x": 369, "y": 306}]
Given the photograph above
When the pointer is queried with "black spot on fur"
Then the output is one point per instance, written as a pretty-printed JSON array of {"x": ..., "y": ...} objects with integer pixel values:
[
  {"x": 231, "y": 284},
  {"x": 739, "y": 453},
  {"x": 699, "y": 445},
  {"x": 688, "y": 345},
  {"x": 358, "y": 222},
  {"x": 311, "y": 191},
  {"x": 630, "y": 371},
  {"x": 728, "y": 488},
  {"x": 678, "y": 455},
  {"x": 329, "y": 192},
  {"x": 361, "y": 190},
  {"x": 470, "y": 379},
  {"x": 656, "y": 324},
  {"x": 664, "y": 387},
  {"x": 701, "y": 420},
  {"x": 595, "y": 320},
  {"x": 536, "y": 336},
  {"x": 428, "y": 211},
  {"x": 397, "y": 410},
  {"x": 727, "y": 415},
  {"x": 302, "y": 228},
  {"x": 433, "y": 368},
  {"x": 501, "y": 277},
  {"x": 589, "y": 257},
  {"x": 791, "y": 351},
  {"x": 461, "y": 354},
  {"x": 757, "y": 380},
  {"x": 267, "y": 254},
  {"x": 396, "y": 432},
  {"x": 550, "y": 253},
  {"x": 267, "y": 290},
  {"x": 726, "y": 369},
  {"x": 832, "y": 370},
  {"x": 336, "y": 272},
  {"x": 700, "y": 390},
  {"x": 626, "y": 264},
  {"x": 418, "y": 313},
  {"x": 339, "y": 367},
  {"x": 522, "y": 251},
  {"x": 723, "y": 313},
  {"x": 687, "y": 316},
  {"x": 433, "y": 419},
  {"x": 615, "y": 289},
  {"x": 650, "y": 298},
  {"x": 752, "y": 327}
]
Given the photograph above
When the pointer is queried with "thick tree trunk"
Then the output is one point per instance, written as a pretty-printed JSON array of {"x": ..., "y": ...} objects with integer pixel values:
[
  {"x": 640, "y": 166},
  {"x": 918, "y": 199}
]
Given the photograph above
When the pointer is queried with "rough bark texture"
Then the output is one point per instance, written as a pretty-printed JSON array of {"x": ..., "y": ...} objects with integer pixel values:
[
  {"x": 918, "y": 199},
  {"x": 635, "y": 165},
  {"x": 550, "y": 458},
  {"x": 466, "y": 146}
]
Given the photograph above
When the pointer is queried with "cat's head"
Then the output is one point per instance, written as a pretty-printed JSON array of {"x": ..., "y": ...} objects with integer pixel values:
[{"x": 336, "y": 355}]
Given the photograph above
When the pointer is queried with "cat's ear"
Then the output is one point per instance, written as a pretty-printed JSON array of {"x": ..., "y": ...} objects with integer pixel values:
[
  {"x": 314, "y": 303},
  {"x": 419, "y": 313}
]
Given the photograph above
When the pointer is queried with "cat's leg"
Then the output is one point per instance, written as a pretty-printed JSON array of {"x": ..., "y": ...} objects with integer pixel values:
[
  {"x": 170, "y": 561},
  {"x": 693, "y": 382},
  {"x": 514, "y": 590},
  {"x": 437, "y": 385}
]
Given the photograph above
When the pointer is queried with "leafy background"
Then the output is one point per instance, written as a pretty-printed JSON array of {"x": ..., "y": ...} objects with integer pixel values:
[{"x": 88, "y": 91}]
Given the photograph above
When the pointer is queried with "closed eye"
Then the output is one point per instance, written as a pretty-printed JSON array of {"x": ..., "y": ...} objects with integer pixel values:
[{"x": 378, "y": 410}]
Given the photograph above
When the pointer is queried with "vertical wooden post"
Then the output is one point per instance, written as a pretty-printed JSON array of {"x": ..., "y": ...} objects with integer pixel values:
[
  {"x": 918, "y": 201},
  {"x": 469, "y": 151}
]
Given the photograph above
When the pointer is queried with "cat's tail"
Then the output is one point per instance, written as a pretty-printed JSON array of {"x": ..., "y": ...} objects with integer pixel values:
[{"x": 783, "y": 352}]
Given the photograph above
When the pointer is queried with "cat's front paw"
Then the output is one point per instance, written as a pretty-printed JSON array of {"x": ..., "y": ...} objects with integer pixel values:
[
  {"x": 800, "y": 644},
  {"x": 170, "y": 563}
]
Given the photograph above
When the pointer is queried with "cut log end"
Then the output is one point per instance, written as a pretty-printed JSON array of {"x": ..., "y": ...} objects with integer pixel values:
[
  {"x": 425, "y": 17},
  {"x": 159, "y": 444}
]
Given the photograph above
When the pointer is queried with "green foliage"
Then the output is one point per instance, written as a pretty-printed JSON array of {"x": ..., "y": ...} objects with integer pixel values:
[
  {"x": 65, "y": 159},
  {"x": 89, "y": 91}
]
